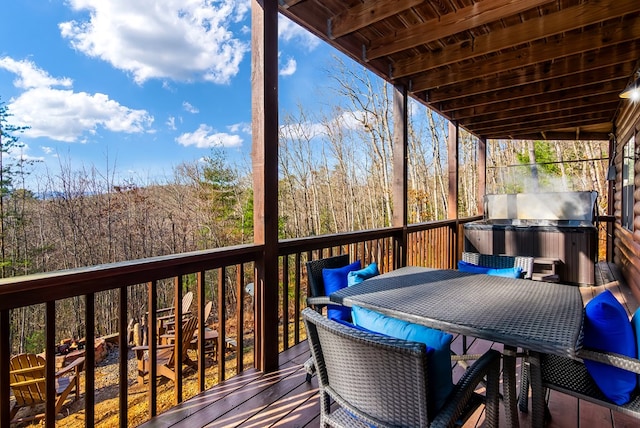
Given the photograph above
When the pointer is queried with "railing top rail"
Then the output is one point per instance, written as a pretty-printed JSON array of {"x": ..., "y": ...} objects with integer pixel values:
[
  {"x": 295, "y": 245},
  {"x": 42, "y": 287}
]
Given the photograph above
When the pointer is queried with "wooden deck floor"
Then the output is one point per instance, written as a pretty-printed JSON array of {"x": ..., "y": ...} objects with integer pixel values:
[{"x": 285, "y": 399}]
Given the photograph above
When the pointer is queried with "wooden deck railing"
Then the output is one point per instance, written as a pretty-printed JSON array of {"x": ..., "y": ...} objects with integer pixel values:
[{"x": 221, "y": 273}]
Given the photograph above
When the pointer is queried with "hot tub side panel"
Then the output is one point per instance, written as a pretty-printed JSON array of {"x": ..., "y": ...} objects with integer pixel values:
[{"x": 575, "y": 248}]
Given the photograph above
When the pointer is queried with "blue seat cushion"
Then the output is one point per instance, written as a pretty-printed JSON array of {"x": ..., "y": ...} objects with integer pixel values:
[
  {"x": 336, "y": 279},
  {"x": 514, "y": 272},
  {"x": 357, "y": 276},
  {"x": 607, "y": 328},
  {"x": 439, "y": 370}
]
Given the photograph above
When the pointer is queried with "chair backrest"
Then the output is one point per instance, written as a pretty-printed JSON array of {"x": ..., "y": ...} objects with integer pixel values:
[
  {"x": 186, "y": 302},
  {"x": 188, "y": 329},
  {"x": 207, "y": 311},
  {"x": 27, "y": 379},
  {"x": 314, "y": 272},
  {"x": 501, "y": 261},
  {"x": 379, "y": 379}
]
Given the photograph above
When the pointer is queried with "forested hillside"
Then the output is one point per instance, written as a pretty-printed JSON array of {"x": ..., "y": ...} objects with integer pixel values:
[{"x": 335, "y": 176}]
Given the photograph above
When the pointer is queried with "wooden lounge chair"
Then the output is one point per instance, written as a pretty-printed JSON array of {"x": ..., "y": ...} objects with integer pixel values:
[
  {"x": 210, "y": 335},
  {"x": 166, "y": 322},
  {"x": 28, "y": 383},
  {"x": 166, "y": 359},
  {"x": 380, "y": 381}
]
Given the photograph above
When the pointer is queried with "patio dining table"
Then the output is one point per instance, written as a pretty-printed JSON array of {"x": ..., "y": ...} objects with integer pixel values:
[{"x": 536, "y": 316}]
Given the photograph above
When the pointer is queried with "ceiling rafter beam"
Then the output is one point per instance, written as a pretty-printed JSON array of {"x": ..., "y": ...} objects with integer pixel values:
[
  {"x": 539, "y": 112},
  {"x": 521, "y": 102},
  {"x": 528, "y": 31},
  {"x": 595, "y": 67},
  {"x": 556, "y": 135},
  {"x": 473, "y": 16},
  {"x": 579, "y": 118},
  {"x": 364, "y": 14},
  {"x": 551, "y": 51},
  {"x": 519, "y": 108},
  {"x": 286, "y": 4}
]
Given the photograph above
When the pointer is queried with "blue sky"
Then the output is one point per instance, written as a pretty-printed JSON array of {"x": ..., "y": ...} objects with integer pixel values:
[{"x": 143, "y": 85}]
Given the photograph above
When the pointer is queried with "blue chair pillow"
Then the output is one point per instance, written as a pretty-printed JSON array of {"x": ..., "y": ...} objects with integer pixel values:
[
  {"x": 635, "y": 325},
  {"x": 440, "y": 381},
  {"x": 514, "y": 272},
  {"x": 607, "y": 328},
  {"x": 334, "y": 280},
  {"x": 357, "y": 276}
]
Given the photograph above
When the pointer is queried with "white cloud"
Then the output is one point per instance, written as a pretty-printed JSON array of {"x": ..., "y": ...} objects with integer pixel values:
[
  {"x": 62, "y": 114},
  {"x": 188, "y": 107},
  {"x": 171, "y": 123},
  {"x": 348, "y": 120},
  {"x": 30, "y": 76},
  {"x": 46, "y": 150},
  {"x": 353, "y": 120},
  {"x": 240, "y": 127},
  {"x": 173, "y": 39},
  {"x": 22, "y": 153},
  {"x": 289, "y": 68},
  {"x": 289, "y": 31},
  {"x": 303, "y": 130},
  {"x": 206, "y": 137}
]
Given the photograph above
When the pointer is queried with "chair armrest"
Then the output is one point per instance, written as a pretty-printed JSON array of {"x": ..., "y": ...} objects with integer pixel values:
[
  {"x": 77, "y": 365},
  {"x": 319, "y": 301},
  {"x": 146, "y": 347},
  {"x": 612, "y": 359},
  {"x": 488, "y": 365}
]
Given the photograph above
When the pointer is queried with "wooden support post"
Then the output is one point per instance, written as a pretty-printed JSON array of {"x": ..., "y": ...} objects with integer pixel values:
[
  {"x": 482, "y": 174},
  {"x": 399, "y": 189},
  {"x": 264, "y": 88},
  {"x": 452, "y": 205}
]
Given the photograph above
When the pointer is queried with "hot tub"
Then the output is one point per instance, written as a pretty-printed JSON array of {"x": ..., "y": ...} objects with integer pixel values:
[{"x": 564, "y": 231}]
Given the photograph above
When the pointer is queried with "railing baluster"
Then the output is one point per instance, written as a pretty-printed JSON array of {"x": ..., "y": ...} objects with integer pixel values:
[
  {"x": 50, "y": 366},
  {"x": 152, "y": 342},
  {"x": 296, "y": 293},
  {"x": 90, "y": 360},
  {"x": 5, "y": 356},
  {"x": 240, "y": 319},
  {"x": 124, "y": 355},
  {"x": 201, "y": 329},
  {"x": 222, "y": 326},
  {"x": 177, "y": 345},
  {"x": 285, "y": 302}
]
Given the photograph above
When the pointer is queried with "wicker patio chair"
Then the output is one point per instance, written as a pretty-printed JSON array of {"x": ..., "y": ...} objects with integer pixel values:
[
  {"x": 501, "y": 261},
  {"x": 317, "y": 298},
  {"x": 571, "y": 377},
  {"x": 381, "y": 381}
]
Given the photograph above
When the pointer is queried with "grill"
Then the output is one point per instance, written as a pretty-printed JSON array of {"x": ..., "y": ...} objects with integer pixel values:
[{"x": 558, "y": 229}]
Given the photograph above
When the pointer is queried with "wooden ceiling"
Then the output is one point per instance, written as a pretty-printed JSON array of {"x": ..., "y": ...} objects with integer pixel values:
[{"x": 501, "y": 69}]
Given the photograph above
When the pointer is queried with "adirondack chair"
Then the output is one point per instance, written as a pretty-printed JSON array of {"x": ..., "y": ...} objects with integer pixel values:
[
  {"x": 166, "y": 359},
  {"x": 166, "y": 322},
  {"x": 28, "y": 383}
]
